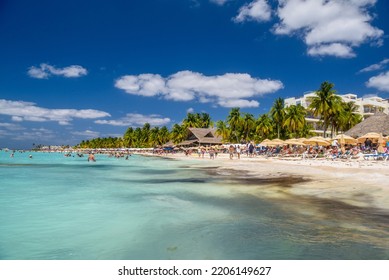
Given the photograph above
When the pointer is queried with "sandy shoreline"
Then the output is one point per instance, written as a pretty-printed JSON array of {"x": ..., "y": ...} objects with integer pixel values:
[{"x": 356, "y": 183}]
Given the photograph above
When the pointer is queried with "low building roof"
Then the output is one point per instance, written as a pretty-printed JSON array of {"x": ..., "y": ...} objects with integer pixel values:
[{"x": 378, "y": 123}]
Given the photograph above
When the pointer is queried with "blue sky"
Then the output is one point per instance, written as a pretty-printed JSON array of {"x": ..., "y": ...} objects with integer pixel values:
[{"x": 73, "y": 70}]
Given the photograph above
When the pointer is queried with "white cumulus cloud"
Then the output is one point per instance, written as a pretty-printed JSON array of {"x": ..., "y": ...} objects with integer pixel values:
[
  {"x": 29, "y": 111},
  {"x": 44, "y": 71},
  {"x": 374, "y": 67},
  {"x": 329, "y": 27},
  {"x": 334, "y": 49},
  {"x": 242, "y": 103},
  {"x": 144, "y": 84},
  {"x": 380, "y": 82},
  {"x": 258, "y": 10},
  {"x": 134, "y": 119},
  {"x": 187, "y": 85}
]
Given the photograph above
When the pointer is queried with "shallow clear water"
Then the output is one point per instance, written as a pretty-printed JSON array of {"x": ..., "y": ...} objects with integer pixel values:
[{"x": 55, "y": 207}]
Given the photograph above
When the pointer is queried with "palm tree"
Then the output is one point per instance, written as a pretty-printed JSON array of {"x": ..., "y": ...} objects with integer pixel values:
[
  {"x": 223, "y": 130},
  {"x": 154, "y": 136},
  {"x": 191, "y": 120},
  {"x": 277, "y": 112},
  {"x": 264, "y": 126},
  {"x": 248, "y": 124},
  {"x": 325, "y": 104},
  {"x": 145, "y": 134},
  {"x": 164, "y": 135},
  {"x": 234, "y": 121},
  {"x": 295, "y": 119},
  {"x": 137, "y": 138},
  {"x": 349, "y": 116},
  {"x": 128, "y": 137},
  {"x": 205, "y": 120},
  {"x": 178, "y": 133}
]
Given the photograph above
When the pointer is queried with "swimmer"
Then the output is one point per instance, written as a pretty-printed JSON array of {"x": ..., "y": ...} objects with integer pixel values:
[
  {"x": 30, "y": 156},
  {"x": 91, "y": 157}
]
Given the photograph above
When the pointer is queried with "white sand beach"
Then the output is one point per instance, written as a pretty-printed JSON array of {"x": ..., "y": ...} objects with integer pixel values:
[{"x": 356, "y": 183}]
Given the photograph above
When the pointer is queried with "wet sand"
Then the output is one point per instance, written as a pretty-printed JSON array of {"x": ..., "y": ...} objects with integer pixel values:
[{"x": 362, "y": 184}]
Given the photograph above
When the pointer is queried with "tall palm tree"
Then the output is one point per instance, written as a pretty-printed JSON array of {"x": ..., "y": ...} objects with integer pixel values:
[
  {"x": 137, "y": 138},
  {"x": 325, "y": 104},
  {"x": 223, "y": 130},
  {"x": 164, "y": 135},
  {"x": 205, "y": 120},
  {"x": 128, "y": 137},
  {"x": 234, "y": 122},
  {"x": 145, "y": 135},
  {"x": 191, "y": 120},
  {"x": 248, "y": 124},
  {"x": 294, "y": 119},
  {"x": 277, "y": 113},
  {"x": 264, "y": 126},
  {"x": 154, "y": 136}
]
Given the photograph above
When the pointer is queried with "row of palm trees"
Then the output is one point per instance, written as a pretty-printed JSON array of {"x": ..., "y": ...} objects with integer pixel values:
[{"x": 281, "y": 122}]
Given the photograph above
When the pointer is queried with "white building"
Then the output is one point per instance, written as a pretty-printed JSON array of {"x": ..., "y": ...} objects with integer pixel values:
[{"x": 366, "y": 107}]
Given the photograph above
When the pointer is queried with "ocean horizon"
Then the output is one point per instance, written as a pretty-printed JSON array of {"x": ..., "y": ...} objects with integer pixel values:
[{"x": 54, "y": 207}]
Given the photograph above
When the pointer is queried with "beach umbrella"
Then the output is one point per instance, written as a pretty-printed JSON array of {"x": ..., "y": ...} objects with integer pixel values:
[
  {"x": 371, "y": 135},
  {"x": 265, "y": 142},
  {"x": 277, "y": 141},
  {"x": 380, "y": 147},
  {"x": 317, "y": 140},
  {"x": 273, "y": 143},
  {"x": 342, "y": 141},
  {"x": 346, "y": 139},
  {"x": 293, "y": 141}
]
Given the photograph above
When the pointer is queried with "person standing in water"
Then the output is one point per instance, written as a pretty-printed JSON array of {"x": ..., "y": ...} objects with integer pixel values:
[{"x": 91, "y": 157}]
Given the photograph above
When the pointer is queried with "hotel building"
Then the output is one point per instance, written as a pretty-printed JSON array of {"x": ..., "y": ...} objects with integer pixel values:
[{"x": 366, "y": 107}]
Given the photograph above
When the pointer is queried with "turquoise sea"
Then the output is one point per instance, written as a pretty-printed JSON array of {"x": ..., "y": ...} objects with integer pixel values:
[{"x": 56, "y": 207}]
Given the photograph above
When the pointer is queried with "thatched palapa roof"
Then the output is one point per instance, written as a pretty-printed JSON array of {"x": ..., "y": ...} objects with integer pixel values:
[
  {"x": 201, "y": 136},
  {"x": 378, "y": 123}
]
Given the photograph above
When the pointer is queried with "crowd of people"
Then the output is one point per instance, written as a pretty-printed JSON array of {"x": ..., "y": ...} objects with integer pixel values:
[{"x": 334, "y": 150}]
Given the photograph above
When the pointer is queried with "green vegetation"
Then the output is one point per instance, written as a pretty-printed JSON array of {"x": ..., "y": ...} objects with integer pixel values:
[
  {"x": 332, "y": 110},
  {"x": 281, "y": 122}
]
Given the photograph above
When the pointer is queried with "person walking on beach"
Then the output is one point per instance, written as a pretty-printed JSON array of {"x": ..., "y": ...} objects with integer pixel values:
[
  {"x": 251, "y": 150},
  {"x": 231, "y": 151},
  {"x": 238, "y": 151},
  {"x": 211, "y": 153},
  {"x": 202, "y": 152}
]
